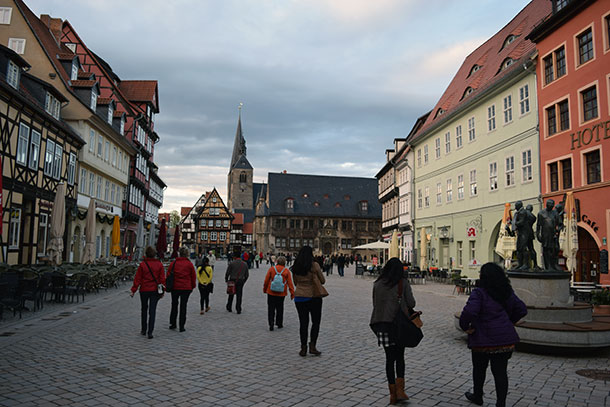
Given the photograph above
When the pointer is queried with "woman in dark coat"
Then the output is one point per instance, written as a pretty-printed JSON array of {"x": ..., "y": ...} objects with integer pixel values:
[
  {"x": 149, "y": 275},
  {"x": 385, "y": 308},
  {"x": 488, "y": 318}
]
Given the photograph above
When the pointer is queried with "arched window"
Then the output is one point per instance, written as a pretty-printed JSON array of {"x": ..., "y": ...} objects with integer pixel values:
[
  {"x": 474, "y": 69},
  {"x": 467, "y": 92},
  {"x": 508, "y": 40},
  {"x": 505, "y": 64},
  {"x": 243, "y": 177}
]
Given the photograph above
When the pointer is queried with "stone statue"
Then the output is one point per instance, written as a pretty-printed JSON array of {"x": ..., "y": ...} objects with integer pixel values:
[
  {"x": 531, "y": 219},
  {"x": 547, "y": 233}
]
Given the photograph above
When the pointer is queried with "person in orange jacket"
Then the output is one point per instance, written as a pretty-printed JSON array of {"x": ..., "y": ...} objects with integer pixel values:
[
  {"x": 185, "y": 280},
  {"x": 277, "y": 292},
  {"x": 149, "y": 276}
]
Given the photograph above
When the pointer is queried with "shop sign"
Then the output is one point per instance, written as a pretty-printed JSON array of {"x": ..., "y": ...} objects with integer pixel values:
[
  {"x": 589, "y": 134},
  {"x": 589, "y": 222},
  {"x": 471, "y": 231}
]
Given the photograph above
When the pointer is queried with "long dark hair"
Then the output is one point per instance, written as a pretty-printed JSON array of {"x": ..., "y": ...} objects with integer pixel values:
[
  {"x": 302, "y": 264},
  {"x": 495, "y": 282},
  {"x": 392, "y": 272}
]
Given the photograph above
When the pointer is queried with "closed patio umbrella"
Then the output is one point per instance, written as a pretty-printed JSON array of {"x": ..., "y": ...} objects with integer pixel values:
[
  {"x": 116, "y": 237},
  {"x": 140, "y": 239},
  {"x": 89, "y": 252},
  {"x": 506, "y": 244},
  {"x": 568, "y": 237},
  {"x": 162, "y": 240},
  {"x": 176, "y": 242},
  {"x": 394, "y": 252},
  {"x": 58, "y": 224},
  {"x": 423, "y": 255}
]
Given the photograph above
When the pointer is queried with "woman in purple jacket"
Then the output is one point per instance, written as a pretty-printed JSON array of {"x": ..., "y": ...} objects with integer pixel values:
[{"x": 488, "y": 318}]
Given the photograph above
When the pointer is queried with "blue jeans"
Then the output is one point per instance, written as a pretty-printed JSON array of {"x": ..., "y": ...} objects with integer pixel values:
[{"x": 340, "y": 270}]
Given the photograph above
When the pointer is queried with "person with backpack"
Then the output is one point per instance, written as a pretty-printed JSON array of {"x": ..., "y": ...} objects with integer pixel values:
[
  {"x": 182, "y": 272},
  {"x": 150, "y": 280},
  {"x": 277, "y": 283},
  {"x": 206, "y": 287},
  {"x": 488, "y": 318}
]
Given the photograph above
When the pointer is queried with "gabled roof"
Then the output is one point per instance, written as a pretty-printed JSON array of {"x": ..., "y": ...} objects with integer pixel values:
[
  {"x": 185, "y": 210},
  {"x": 248, "y": 228},
  {"x": 321, "y": 195},
  {"x": 238, "y": 219},
  {"x": 489, "y": 57}
]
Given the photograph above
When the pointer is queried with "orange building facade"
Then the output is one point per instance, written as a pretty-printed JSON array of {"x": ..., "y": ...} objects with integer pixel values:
[{"x": 573, "y": 81}]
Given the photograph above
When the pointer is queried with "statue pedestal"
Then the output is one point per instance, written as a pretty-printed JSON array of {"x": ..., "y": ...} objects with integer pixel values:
[
  {"x": 553, "y": 320},
  {"x": 542, "y": 289}
]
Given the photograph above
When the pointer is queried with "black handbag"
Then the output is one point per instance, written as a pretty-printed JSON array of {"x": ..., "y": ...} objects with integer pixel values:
[
  {"x": 406, "y": 333},
  {"x": 169, "y": 280}
]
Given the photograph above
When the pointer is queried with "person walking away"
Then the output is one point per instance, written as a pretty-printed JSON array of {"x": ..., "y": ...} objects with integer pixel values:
[
  {"x": 237, "y": 271},
  {"x": 309, "y": 280},
  {"x": 205, "y": 285},
  {"x": 340, "y": 265},
  {"x": 184, "y": 283},
  {"x": 149, "y": 276},
  {"x": 327, "y": 265},
  {"x": 276, "y": 285},
  {"x": 488, "y": 318},
  {"x": 212, "y": 259},
  {"x": 386, "y": 288}
]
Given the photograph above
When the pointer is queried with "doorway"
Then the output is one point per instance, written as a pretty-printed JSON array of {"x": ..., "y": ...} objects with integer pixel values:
[{"x": 587, "y": 258}]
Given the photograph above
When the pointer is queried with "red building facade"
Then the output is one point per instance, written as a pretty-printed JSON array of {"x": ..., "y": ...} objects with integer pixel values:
[{"x": 573, "y": 75}]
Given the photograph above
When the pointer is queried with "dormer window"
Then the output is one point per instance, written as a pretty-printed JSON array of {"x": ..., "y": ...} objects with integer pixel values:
[
  {"x": 347, "y": 197},
  {"x": 467, "y": 92},
  {"x": 364, "y": 206},
  {"x": 93, "y": 102},
  {"x": 74, "y": 73},
  {"x": 52, "y": 105},
  {"x": 474, "y": 69},
  {"x": 12, "y": 75},
  {"x": 316, "y": 204},
  {"x": 440, "y": 112},
  {"x": 110, "y": 112},
  {"x": 506, "y": 63},
  {"x": 508, "y": 40},
  {"x": 337, "y": 204},
  {"x": 289, "y": 203},
  {"x": 122, "y": 126},
  {"x": 305, "y": 195}
]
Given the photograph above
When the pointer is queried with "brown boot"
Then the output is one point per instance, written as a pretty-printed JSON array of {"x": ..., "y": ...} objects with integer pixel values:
[
  {"x": 313, "y": 350},
  {"x": 392, "y": 388},
  {"x": 303, "y": 351},
  {"x": 400, "y": 389}
]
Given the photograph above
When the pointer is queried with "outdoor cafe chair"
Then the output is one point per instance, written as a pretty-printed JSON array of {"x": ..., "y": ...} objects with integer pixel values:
[
  {"x": 31, "y": 290},
  {"x": 77, "y": 286},
  {"x": 58, "y": 286},
  {"x": 9, "y": 292}
]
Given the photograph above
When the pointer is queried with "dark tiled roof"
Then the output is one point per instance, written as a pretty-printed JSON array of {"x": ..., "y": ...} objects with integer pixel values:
[
  {"x": 489, "y": 57},
  {"x": 257, "y": 188},
  {"x": 242, "y": 163},
  {"x": 104, "y": 101},
  {"x": 320, "y": 195},
  {"x": 64, "y": 56}
]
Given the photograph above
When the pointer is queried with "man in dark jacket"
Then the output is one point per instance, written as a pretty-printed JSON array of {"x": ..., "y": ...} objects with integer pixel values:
[{"x": 237, "y": 271}]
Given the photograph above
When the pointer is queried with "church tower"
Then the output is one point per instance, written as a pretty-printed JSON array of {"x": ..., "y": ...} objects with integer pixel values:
[{"x": 239, "y": 186}]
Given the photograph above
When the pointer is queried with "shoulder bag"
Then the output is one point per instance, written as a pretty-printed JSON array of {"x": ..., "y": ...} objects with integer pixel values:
[
  {"x": 231, "y": 289},
  {"x": 405, "y": 327},
  {"x": 160, "y": 287},
  {"x": 318, "y": 288},
  {"x": 169, "y": 281}
]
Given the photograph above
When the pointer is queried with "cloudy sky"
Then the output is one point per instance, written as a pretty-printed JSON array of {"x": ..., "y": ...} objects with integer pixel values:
[{"x": 326, "y": 84}]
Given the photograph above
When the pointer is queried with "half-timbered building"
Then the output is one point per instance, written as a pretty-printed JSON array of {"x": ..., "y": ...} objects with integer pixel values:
[
  {"x": 214, "y": 225},
  {"x": 38, "y": 152}
]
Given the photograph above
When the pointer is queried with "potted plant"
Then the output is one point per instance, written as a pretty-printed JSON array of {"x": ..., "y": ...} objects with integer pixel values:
[{"x": 600, "y": 299}]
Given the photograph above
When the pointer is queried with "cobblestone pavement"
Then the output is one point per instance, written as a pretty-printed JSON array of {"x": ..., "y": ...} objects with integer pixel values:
[{"x": 92, "y": 354}]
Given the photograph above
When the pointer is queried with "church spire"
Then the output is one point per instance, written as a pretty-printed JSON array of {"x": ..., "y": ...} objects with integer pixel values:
[{"x": 239, "y": 145}]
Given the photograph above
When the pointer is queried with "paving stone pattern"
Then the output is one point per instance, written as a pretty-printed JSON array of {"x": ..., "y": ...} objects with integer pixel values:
[{"x": 93, "y": 354}]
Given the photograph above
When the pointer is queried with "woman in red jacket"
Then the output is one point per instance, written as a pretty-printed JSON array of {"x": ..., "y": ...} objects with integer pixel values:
[
  {"x": 185, "y": 280},
  {"x": 149, "y": 276}
]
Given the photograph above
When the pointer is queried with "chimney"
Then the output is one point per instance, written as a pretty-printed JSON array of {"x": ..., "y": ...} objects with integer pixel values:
[{"x": 54, "y": 25}]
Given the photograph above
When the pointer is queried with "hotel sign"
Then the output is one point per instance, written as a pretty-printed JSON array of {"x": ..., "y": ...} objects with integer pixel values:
[{"x": 595, "y": 133}]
